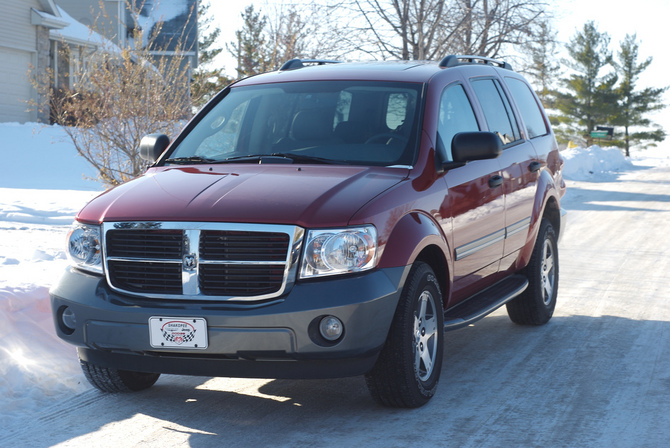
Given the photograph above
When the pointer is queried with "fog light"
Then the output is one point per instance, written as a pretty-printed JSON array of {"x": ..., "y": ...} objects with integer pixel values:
[
  {"x": 331, "y": 328},
  {"x": 68, "y": 320}
]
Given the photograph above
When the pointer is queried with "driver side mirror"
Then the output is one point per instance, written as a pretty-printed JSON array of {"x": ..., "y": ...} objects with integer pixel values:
[
  {"x": 152, "y": 146},
  {"x": 470, "y": 146}
]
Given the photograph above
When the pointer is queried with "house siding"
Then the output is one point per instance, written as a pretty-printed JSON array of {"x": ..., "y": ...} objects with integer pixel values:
[
  {"x": 16, "y": 31},
  {"x": 18, "y": 52}
]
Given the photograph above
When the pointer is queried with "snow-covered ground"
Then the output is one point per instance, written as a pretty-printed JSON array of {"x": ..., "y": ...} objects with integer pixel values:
[{"x": 42, "y": 186}]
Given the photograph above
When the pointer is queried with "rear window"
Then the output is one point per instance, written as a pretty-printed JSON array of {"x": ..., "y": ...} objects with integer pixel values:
[
  {"x": 528, "y": 107},
  {"x": 361, "y": 123},
  {"x": 497, "y": 110}
]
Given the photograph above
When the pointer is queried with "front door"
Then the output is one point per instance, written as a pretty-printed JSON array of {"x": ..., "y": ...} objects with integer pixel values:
[{"x": 475, "y": 199}]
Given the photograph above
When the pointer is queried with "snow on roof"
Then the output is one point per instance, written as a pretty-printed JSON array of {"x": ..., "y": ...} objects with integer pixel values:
[
  {"x": 176, "y": 13},
  {"x": 78, "y": 33}
]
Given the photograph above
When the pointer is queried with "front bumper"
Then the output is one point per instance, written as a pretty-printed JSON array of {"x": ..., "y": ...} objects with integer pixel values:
[{"x": 271, "y": 340}]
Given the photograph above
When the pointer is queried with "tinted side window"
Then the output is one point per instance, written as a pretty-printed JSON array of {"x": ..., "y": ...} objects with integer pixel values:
[
  {"x": 497, "y": 110},
  {"x": 455, "y": 116},
  {"x": 528, "y": 107}
]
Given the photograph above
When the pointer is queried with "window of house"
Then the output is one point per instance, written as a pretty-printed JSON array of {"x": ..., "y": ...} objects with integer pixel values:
[
  {"x": 497, "y": 110},
  {"x": 456, "y": 115},
  {"x": 528, "y": 107}
]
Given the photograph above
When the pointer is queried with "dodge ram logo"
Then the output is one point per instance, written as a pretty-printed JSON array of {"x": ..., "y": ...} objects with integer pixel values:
[{"x": 190, "y": 262}]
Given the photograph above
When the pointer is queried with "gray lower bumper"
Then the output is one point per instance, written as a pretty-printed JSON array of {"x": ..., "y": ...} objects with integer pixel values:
[{"x": 272, "y": 340}]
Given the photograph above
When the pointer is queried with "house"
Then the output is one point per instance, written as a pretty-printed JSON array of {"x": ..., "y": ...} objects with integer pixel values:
[
  {"x": 173, "y": 23},
  {"x": 24, "y": 43},
  {"x": 50, "y": 39}
]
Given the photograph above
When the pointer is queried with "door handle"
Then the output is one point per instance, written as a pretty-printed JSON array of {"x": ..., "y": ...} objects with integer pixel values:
[
  {"x": 495, "y": 181},
  {"x": 534, "y": 166}
]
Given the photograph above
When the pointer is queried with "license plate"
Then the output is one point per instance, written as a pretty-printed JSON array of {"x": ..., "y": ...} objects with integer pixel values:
[{"x": 178, "y": 332}]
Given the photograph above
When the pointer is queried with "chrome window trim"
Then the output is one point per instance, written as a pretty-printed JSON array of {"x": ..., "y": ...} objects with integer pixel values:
[
  {"x": 517, "y": 227},
  {"x": 191, "y": 241},
  {"x": 475, "y": 246}
]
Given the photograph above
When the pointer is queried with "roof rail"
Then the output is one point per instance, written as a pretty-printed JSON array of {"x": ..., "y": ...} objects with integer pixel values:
[
  {"x": 300, "y": 63},
  {"x": 454, "y": 60}
]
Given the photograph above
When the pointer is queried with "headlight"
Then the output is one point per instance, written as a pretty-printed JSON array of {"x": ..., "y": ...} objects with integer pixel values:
[
  {"x": 339, "y": 251},
  {"x": 84, "y": 247}
]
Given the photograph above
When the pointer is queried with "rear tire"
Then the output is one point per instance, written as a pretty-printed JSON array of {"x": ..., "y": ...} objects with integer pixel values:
[
  {"x": 535, "y": 306},
  {"x": 112, "y": 380},
  {"x": 407, "y": 371}
]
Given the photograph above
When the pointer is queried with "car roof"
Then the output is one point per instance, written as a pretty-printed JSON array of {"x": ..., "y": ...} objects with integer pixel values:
[
  {"x": 406, "y": 71},
  {"x": 401, "y": 71}
]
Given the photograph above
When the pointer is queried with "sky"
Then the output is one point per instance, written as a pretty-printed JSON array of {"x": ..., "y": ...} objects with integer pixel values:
[{"x": 648, "y": 19}]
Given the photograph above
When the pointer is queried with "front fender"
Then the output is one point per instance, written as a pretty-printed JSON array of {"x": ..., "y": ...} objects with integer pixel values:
[{"x": 413, "y": 234}]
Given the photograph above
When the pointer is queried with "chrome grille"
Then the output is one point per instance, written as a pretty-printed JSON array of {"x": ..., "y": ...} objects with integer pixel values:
[
  {"x": 205, "y": 261},
  {"x": 227, "y": 245},
  {"x": 152, "y": 244},
  {"x": 142, "y": 277},
  {"x": 240, "y": 280}
]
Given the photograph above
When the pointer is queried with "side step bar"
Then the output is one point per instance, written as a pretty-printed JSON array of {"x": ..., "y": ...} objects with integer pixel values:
[{"x": 484, "y": 303}]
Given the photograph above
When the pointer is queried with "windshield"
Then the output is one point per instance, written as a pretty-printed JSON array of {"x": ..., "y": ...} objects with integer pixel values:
[{"x": 341, "y": 122}]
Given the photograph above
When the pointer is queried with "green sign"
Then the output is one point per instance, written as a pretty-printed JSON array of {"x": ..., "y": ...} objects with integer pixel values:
[{"x": 599, "y": 134}]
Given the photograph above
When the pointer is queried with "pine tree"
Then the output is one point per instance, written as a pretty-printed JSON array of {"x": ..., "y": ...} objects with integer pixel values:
[
  {"x": 634, "y": 105},
  {"x": 288, "y": 35},
  {"x": 206, "y": 80},
  {"x": 590, "y": 99},
  {"x": 543, "y": 69},
  {"x": 250, "y": 49}
]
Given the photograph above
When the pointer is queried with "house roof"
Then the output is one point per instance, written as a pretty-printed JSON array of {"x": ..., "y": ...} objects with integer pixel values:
[
  {"x": 48, "y": 17},
  {"x": 77, "y": 33}
]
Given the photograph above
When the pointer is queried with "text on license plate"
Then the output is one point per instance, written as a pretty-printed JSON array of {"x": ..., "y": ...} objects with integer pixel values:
[{"x": 178, "y": 332}]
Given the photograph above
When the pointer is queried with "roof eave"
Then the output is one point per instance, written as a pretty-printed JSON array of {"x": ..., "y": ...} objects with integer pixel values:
[{"x": 46, "y": 20}]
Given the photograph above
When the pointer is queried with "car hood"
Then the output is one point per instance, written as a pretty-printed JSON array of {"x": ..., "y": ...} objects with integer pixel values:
[{"x": 307, "y": 195}]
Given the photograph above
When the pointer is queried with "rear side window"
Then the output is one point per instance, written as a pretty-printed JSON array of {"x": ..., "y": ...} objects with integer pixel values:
[
  {"x": 456, "y": 115},
  {"x": 497, "y": 110},
  {"x": 528, "y": 107}
]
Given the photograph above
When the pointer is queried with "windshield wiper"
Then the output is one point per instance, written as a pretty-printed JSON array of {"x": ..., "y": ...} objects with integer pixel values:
[
  {"x": 307, "y": 159},
  {"x": 277, "y": 157},
  {"x": 190, "y": 160}
]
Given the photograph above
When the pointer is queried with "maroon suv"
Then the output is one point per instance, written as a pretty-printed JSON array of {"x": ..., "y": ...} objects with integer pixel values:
[{"x": 320, "y": 221}]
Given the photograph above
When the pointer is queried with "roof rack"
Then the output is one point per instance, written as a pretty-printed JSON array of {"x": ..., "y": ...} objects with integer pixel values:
[
  {"x": 455, "y": 60},
  {"x": 300, "y": 63}
]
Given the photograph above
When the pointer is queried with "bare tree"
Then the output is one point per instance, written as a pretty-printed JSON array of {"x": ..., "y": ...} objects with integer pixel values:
[
  {"x": 288, "y": 35},
  {"x": 431, "y": 29},
  {"x": 280, "y": 32},
  {"x": 118, "y": 96}
]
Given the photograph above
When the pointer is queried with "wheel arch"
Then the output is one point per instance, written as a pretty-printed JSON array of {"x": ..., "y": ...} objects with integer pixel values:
[
  {"x": 546, "y": 206},
  {"x": 417, "y": 237}
]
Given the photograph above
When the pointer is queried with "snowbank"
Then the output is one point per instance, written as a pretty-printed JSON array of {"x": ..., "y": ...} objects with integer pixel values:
[
  {"x": 42, "y": 157},
  {"x": 42, "y": 186},
  {"x": 596, "y": 163},
  {"x": 593, "y": 162}
]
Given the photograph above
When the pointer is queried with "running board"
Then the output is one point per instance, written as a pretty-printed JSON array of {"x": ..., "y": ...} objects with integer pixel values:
[{"x": 484, "y": 303}]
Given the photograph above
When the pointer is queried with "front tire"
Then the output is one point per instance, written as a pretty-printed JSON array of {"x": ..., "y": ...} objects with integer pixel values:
[
  {"x": 535, "y": 306},
  {"x": 408, "y": 369},
  {"x": 112, "y": 380}
]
